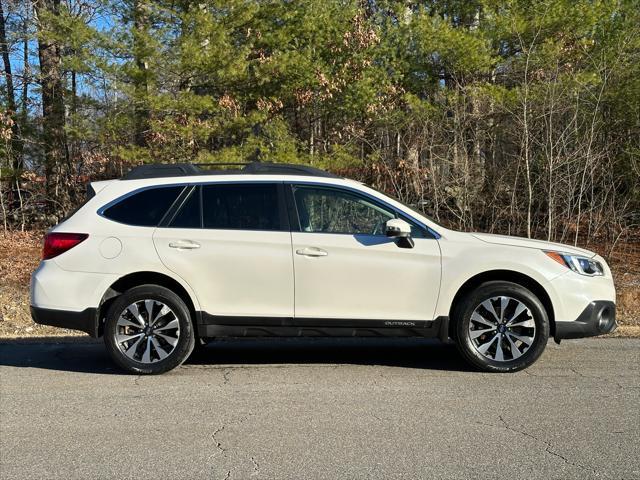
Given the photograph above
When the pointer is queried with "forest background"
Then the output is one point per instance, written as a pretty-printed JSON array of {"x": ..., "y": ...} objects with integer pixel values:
[{"x": 517, "y": 117}]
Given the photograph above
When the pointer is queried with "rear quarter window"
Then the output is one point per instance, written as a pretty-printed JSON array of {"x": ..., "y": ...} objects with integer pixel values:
[{"x": 144, "y": 208}]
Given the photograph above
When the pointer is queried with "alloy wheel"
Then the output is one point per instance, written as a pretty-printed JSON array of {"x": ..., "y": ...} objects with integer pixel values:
[
  {"x": 147, "y": 331},
  {"x": 502, "y": 328}
]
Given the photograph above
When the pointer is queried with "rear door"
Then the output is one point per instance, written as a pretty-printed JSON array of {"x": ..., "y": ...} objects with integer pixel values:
[
  {"x": 231, "y": 242},
  {"x": 347, "y": 269}
]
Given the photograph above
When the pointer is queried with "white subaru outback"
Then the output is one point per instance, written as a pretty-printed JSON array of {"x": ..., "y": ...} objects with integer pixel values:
[{"x": 171, "y": 255}]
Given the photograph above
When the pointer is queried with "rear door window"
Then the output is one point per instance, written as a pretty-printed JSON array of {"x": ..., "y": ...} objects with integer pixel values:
[
  {"x": 144, "y": 208},
  {"x": 190, "y": 213},
  {"x": 249, "y": 206}
]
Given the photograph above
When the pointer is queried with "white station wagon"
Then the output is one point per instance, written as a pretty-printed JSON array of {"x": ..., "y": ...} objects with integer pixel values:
[{"x": 171, "y": 255}]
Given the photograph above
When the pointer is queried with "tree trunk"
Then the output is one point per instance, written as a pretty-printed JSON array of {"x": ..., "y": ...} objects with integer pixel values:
[
  {"x": 4, "y": 47},
  {"x": 15, "y": 152},
  {"x": 26, "y": 71},
  {"x": 141, "y": 78},
  {"x": 53, "y": 110}
]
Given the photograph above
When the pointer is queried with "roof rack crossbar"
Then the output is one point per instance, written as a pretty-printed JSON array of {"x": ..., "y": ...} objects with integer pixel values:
[
  {"x": 164, "y": 170},
  {"x": 224, "y": 164}
]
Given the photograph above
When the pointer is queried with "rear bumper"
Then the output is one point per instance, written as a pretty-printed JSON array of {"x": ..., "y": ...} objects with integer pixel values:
[
  {"x": 85, "y": 321},
  {"x": 598, "y": 318},
  {"x": 57, "y": 289}
]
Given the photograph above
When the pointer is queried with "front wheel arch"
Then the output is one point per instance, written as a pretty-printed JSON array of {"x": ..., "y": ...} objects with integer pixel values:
[
  {"x": 484, "y": 316},
  {"x": 506, "y": 276}
]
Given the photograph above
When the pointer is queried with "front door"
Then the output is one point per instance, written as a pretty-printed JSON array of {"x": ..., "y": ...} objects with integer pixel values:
[
  {"x": 346, "y": 268},
  {"x": 231, "y": 243}
]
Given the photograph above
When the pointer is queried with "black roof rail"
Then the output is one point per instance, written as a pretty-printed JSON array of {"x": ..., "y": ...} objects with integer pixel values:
[
  {"x": 161, "y": 170},
  {"x": 285, "y": 169}
]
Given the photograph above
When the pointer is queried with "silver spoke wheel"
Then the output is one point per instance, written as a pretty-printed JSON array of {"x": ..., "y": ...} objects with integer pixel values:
[
  {"x": 502, "y": 328},
  {"x": 147, "y": 331}
]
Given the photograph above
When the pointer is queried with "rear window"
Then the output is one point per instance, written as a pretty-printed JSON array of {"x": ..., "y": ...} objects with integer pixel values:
[
  {"x": 241, "y": 207},
  {"x": 145, "y": 208}
]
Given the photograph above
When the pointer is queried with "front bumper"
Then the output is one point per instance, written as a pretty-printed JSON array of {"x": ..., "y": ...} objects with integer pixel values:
[
  {"x": 598, "y": 318},
  {"x": 85, "y": 321}
]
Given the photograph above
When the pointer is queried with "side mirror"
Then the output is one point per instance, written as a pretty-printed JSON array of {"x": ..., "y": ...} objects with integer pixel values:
[{"x": 401, "y": 230}]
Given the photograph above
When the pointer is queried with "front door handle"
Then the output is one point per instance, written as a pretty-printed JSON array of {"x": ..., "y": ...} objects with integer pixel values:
[
  {"x": 312, "y": 252},
  {"x": 185, "y": 245}
]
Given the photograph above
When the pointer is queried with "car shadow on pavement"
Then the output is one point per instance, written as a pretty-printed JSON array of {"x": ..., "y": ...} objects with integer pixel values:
[
  {"x": 72, "y": 355},
  {"x": 408, "y": 353}
]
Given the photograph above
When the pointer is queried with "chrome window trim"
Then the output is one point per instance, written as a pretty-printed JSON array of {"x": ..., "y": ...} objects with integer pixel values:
[
  {"x": 432, "y": 232},
  {"x": 123, "y": 197}
]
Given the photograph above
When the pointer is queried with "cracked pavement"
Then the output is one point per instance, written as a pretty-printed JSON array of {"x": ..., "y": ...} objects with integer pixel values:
[{"x": 297, "y": 409}]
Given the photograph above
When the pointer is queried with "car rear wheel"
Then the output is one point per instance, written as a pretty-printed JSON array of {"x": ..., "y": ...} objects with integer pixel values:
[
  {"x": 148, "y": 330},
  {"x": 501, "y": 327}
]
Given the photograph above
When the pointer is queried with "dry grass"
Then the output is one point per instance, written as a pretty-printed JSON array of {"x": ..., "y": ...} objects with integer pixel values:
[
  {"x": 20, "y": 255},
  {"x": 625, "y": 265}
]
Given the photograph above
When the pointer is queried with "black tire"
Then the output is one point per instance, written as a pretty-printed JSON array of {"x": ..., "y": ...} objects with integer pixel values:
[
  {"x": 468, "y": 348},
  {"x": 186, "y": 337}
]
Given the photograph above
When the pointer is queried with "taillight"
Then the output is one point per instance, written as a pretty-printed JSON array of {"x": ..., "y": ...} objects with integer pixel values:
[{"x": 56, "y": 243}]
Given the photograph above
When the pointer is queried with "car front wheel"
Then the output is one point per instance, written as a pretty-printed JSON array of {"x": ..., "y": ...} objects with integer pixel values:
[
  {"x": 501, "y": 327},
  {"x": 148, "y": 330}
]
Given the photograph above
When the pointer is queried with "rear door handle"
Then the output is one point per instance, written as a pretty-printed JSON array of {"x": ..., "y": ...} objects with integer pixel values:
[
  {"x": 184, "y": 245},
  {"x": 312, "y": 252}
]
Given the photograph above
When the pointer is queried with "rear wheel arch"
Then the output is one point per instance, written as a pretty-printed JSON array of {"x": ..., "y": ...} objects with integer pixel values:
[
  {"x": 137, "y": 279},
  {"x": 506, "y": 276}
]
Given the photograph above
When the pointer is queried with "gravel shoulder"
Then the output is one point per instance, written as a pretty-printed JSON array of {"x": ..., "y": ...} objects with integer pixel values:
[{"x": 20, "y": 255}]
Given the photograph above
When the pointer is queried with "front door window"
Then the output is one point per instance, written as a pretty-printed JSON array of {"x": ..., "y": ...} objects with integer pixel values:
[{"x": 326, "y": 210}]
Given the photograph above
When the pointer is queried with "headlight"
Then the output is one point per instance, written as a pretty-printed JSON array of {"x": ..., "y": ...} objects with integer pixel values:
[{"x": 582, "y": 265}]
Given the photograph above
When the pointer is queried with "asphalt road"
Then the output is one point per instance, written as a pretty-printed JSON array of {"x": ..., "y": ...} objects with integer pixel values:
[{"x": 321, "y": 409}]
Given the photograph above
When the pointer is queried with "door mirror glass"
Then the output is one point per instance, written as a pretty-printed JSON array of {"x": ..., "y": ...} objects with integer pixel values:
[
  {"x": 397, "y": 228},
  {"x": 401, "y": 230}
]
